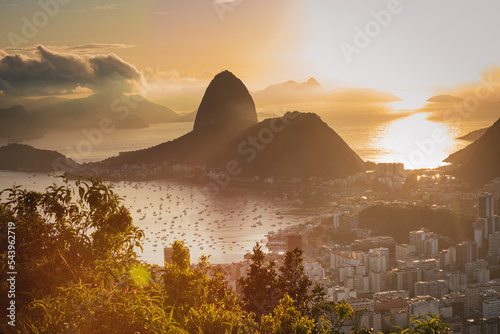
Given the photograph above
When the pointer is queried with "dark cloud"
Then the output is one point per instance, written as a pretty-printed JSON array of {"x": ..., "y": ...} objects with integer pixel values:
[{"x": 48, "y": 72}]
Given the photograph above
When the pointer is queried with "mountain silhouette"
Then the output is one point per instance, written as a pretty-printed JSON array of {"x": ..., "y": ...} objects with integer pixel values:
[
  {"x": 226, "y": 103},
  {"x": 479, "y": 162},
  {"x": 225, "y": 110},
  {"x": 312, "y": 91},
  {"x": 474, "y": 135},
  {"x": 445, "y": 98},
  {"x": 291, "y": 91},
  {"x": 295, "y": 145},
  {"x": 127, "y": 112},
  {"x": 19, "y": 157}
]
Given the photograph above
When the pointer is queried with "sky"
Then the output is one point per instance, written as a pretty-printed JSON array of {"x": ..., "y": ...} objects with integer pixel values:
[{"x": 395, "y": 46}]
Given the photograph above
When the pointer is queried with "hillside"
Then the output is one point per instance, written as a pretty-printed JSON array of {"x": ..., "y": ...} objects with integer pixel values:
[
  {"x": 479, "y": 162},
  {"x": 474, "y": 135},
  {"x": 398, "y": 221},
  {"x": 125, "y": 112},
  {"x": 18, "y": 157},
  {"x": 295, "y": 145}
]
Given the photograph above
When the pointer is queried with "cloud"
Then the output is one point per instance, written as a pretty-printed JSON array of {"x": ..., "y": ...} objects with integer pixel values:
[
  {"x": 487, "y": 88},
  {"x": 94, "y": 46},
  {"x": 84, "y": 48},
  {"x": 48, "y": 72}
]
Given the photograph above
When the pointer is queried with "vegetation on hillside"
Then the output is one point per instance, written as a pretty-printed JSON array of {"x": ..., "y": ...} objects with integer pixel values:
[{"x": 398, "y": 221}]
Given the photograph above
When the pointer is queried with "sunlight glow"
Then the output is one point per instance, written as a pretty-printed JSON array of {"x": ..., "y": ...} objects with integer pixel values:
[{"x": 416, "y": 142}]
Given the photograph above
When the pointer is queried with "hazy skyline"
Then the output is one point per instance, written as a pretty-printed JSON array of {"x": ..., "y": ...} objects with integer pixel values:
[{"x": 421, "y": 47}]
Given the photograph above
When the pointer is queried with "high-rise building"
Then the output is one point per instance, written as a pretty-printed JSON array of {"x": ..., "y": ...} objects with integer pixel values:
[
  {"x": 436, "y": 289},
  {"x": 486, "y": 206},
  {"x": 371, "y": 320},
  {"x": 417, "y": 239},
  {"x": 377, "y": 259},
  {"x": 488, "y": 226},
  {"x": 491, "y": 306},
  {"x": 445, "y": 259},
  {"x": 376, "y": 281},
  {"x": 343, "y": 293},
  {"x": 424, "y": 241},
  {"x": 422, "y": 305},
  {"x": 404, "y": 251},
  {"x": 473, "y": 326},
  {"x": 466, "y": 252},
  {"x": 343, "y": 259},
  {"x": 389, "y": 169},
  {"x": 473, "y": 266},
  {"x": 476, "y": 294},
  {"x": 479, "y": 233},
  {"x": 403, "y": 279},
  {"x": 457, "y": 281},
  {"x": 494, "y": 245},
  {"x": 457, "y": 301},
  {"x": 359, "y": 304}
]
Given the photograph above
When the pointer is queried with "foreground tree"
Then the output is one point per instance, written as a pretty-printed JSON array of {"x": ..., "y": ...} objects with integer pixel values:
[
  {"x": 332, "y": 317},
  {"x": 293, "y": 281},
  {"x": 200, "y": 298},
  {"x": 285, "y": 319},
  {"x": 259, "y": 288},
  {"x": 264, "y": 287},
  {"x": 66, "y": 235}
]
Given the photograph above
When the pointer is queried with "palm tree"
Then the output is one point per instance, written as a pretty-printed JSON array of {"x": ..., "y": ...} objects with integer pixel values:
[{"x": 428, "y": 324}]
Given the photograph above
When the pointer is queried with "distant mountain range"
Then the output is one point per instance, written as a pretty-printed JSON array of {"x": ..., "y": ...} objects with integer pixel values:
[
  {"x": 312, "y": 91},
  {"x": 53, "y": 113},
  {"x": 479, "y": 162},
  {"x": 226, "y": 131},
  {"x": 444, "y": 98},
  {"x": 36, "y": 116}
]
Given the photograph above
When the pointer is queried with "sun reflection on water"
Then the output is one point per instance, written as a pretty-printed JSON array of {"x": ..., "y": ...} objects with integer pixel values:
[{"x": 416, "y": 141}]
